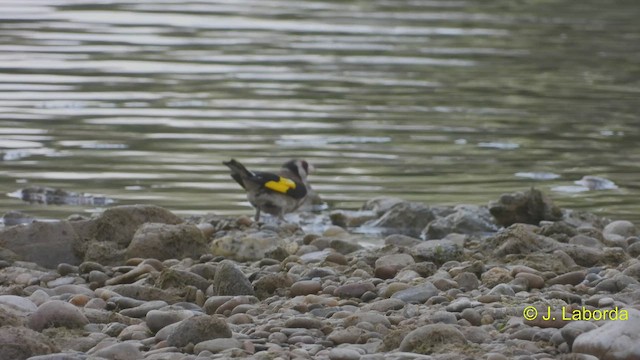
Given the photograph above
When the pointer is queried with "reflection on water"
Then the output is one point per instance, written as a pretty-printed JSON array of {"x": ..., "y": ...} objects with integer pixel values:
[{"x": 442, "y": 102}]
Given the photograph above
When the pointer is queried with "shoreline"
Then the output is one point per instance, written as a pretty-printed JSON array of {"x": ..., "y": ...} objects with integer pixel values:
[{"x": 395, "y": 280}]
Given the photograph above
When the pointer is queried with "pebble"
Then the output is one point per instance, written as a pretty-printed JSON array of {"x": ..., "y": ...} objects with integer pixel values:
[{"x": 56, "y": 313}]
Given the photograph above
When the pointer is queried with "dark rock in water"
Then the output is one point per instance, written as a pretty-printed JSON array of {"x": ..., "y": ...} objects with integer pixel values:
[
  {"x": 197, "y": 329},
  {"x": 408, "y": 218},
  {"x": 52, "y": 196},
  {"x": 23, "y": 343},
  {"x": 467, "y": 219},
  {"x": 528, "y": 207},
  {"x": 45, "y": 243},
  {"x": 166, "y": 241},
  {"x": 229, "y": 280},
  {"x": 16, "y": 218}
]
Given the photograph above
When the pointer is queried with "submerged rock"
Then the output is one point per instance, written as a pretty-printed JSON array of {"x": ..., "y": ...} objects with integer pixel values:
[{"x": 53, "y": 196}]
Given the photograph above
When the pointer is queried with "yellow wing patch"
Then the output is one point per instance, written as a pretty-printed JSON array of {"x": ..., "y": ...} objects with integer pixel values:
[{"x": 281, "y": 186}]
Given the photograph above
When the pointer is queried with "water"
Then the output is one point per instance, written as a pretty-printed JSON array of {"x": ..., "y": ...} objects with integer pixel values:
[{"x": 443, "y": 102}]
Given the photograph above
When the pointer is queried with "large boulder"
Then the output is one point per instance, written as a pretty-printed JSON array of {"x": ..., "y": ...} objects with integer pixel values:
[
  {"x": 21, "y": 343},
  {"x": 165, "y": 241},
  {"x": 528, "y": 207},
  {"x": 44, "y": 243}
]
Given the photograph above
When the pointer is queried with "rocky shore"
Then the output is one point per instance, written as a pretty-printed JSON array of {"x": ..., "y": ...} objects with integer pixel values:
[{"x": 517, "y": 279}]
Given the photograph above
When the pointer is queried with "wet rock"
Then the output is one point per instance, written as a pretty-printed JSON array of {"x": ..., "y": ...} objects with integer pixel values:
[
  {"x": 22, "y": 343},
  {"x": 351, "y": 219},
  {"x": 417, "y": 294},
  {"x": 615, "y": 340},
  {"x": 437, "y": 251},
  {"x": 45, "y": 243},
  {"x": 466, "y": 219},
  {"x": 432, "y": 338},
  {"x": 167, "y": 241},
  {"x": 407, "y": 218},
  {"x": 229, "y": 280},
  {"x": 528, "y": 207},
  {"x": 198, "y": 329},
  {"x": 382, "y": 204},
  {"x": 56, "y": 313},
  {"x": 12, "y": 218}
]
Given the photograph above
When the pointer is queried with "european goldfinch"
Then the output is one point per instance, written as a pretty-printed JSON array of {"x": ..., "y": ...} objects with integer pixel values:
[{"x": 275, "y": 194}]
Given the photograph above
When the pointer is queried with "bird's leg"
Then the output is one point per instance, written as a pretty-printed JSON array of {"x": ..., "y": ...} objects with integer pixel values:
[{"x": 257, "y": 217}]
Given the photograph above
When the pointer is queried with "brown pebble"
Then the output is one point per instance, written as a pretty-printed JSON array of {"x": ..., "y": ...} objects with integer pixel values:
[
  {"x": 305, "y": 287},
  {"x": 570, "y": 278},
  {"x": 533, "y": 281},
  {"x": 79, "y": 300},
  {"x": 386, "y": 272},
  {"x": 336, "y": 258},
  {"x": 134, "y": 261}
]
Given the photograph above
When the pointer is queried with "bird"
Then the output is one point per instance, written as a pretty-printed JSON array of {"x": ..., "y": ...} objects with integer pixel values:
[{"x": 274, "y": 193}]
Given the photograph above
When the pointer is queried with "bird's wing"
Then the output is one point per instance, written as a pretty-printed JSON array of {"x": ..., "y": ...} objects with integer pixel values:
[{"x": 281, "y": 184}]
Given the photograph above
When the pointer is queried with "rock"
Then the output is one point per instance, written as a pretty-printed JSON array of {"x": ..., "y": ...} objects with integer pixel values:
[
  {"x": 407, "y": 218},
  {"x": 350, "y": 335},
  {"x": 518, "y": 239},
  {"x": 385, "y": 305},
  {"x": 158, "y": 319},
  {"x": 572, "y": 330},
  {"x": 502, "y": 289},
  {"x": 56, "y": 313},
  {"x": 175, "y": 278},
  {"x": 246, "y": 246},
  {"x": 417, "y": 294},
  {"x": 533, "y": 281},
  {"x": 18, "y": 303},
  {"x": 217, "y": 345},
  {"x": 495, "y": 276},
  {"x": 394, "y": 261},
  {"x": 167, "y": 241},
  {"x": 528, "y": 207},
  {"x": 380, "y": 205},
  {"x": 467, "y": 281},
  {"x": 615, "y": 340},
  {"x": 198, "y": 329},
  {"x": 467, "y": 219},
  {"x": 570, "y": 278},
  {"x": 400, "y": 240},
  {"x": 437, "y": 251},
  {"x": 144, "y": 292},
  {"x": 619, "y": 229},
  {"x": 270, "y": 284},
  {"x": 344, "y": 354},
  {"x": 11, "y": 218},
  {"x": 22, "y": 343},
  {"x": 44, "y": 243},
  {"x": 351, "y": 219},
  {"x": 345, "y": 246},
  {"x": 305, "y": 287},
  {"x": 432, "y": 338},
  {"x": 119, "y": 351},
  {"x": 229, "y": 280},
  {"x": 354, "y": 290},
  {"x": 303, "y": 322}
]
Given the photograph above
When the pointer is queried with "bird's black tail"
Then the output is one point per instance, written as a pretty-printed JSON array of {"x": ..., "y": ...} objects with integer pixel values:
[{"x": 238, "y": 171}]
